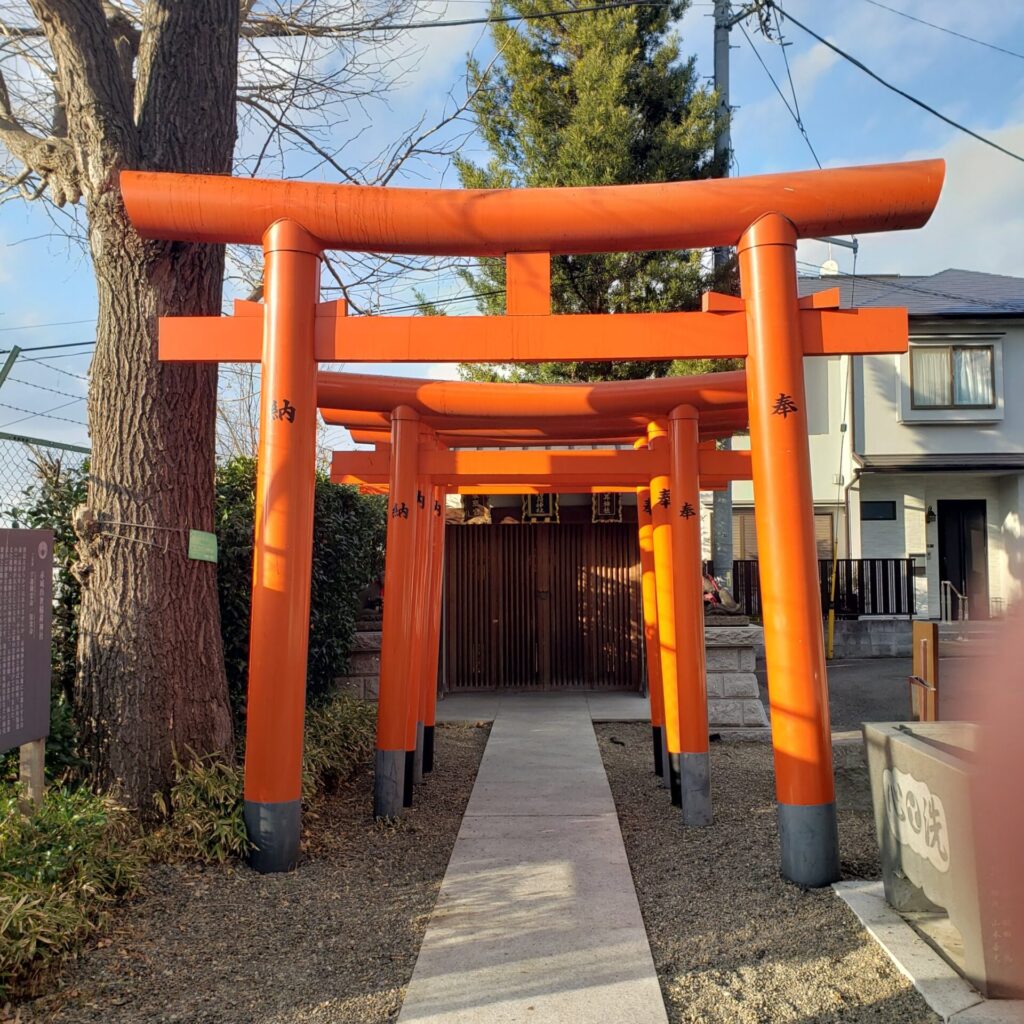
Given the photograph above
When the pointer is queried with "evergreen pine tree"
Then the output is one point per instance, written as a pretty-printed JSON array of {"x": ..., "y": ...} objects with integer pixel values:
[{"x": 600, "y": 98}]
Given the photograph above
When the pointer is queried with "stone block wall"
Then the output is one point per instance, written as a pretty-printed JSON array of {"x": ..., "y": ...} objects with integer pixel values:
[{"x": 733, "y": 697}]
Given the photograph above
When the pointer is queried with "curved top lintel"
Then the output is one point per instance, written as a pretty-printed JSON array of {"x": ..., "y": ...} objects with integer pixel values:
[{"x": 467, "y": 222}]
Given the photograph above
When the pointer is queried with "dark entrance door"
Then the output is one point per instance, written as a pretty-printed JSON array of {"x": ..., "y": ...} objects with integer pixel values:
[
  {"x": 963, "y": 552},
  {"x": 537, "y": 607}
]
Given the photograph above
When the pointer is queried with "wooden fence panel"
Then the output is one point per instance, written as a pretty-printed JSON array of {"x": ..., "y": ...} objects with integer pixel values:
[{"x": 537, "y": 607}]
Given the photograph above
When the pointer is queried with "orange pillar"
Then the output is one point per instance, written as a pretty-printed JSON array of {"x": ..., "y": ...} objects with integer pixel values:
[
  {"x": 421, "y": 571},
  {"x": 661, "y": 501},
  {"x": 649, "y": 592},
  {"x": 694, "y": 766},
  {"x": 788, "y": 560},
  {"x": 282, "y": 555},
  {"x": 432, "y": 646},
  {"x": 394, "y": 695}
]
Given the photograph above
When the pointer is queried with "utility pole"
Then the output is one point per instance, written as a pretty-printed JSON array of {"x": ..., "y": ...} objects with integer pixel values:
[{"x": 721, "y": 507}]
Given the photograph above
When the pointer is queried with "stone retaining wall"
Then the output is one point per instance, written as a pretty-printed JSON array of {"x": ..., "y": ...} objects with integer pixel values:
[{"x": 733, "y": 697}]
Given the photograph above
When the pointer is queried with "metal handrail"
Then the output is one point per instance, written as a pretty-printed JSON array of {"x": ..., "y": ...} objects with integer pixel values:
[{"x": 947, "y": 590}]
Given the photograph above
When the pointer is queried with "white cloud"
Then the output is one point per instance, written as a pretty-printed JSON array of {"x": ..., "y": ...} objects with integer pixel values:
[
  {"x": 810, "y": 65},
  {"x": 978, "y": 223}
]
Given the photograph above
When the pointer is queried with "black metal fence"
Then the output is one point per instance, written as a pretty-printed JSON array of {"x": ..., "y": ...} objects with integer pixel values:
[{"x": 864, "y": 586}]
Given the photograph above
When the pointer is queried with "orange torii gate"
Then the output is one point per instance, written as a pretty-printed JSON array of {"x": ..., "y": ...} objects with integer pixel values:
[
  {"x": 291, "y": 331},
  {"x": 551, "y": 411},
  {"x": 686, "y": 768}
]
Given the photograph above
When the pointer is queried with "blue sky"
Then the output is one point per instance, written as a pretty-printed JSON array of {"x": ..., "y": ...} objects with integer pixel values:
[{"x": 850, "y": 120}]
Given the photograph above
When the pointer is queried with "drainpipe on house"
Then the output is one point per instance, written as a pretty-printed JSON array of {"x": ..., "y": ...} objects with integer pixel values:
[{"x": 854, "y": 477}]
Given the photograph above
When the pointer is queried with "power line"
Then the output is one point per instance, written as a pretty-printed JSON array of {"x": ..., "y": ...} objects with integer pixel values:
[
  {"x": 35, "y": 327},
  {"x": 46, "y": 414},
  {"x": 948, "y": 31},
  {"x": 893, "y": 88},
  {"x": 498, "y": 19},
  {"x": 440, "y": 302},
  {"x": 782, "y": 96},
  {"x": 783, "y": 45},
  {"x": 43, "y": 387},
  {"x": 58, "y": 369}
]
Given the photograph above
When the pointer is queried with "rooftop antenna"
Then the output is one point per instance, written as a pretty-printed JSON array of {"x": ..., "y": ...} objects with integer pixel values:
[{"x": 830, "y": 268}]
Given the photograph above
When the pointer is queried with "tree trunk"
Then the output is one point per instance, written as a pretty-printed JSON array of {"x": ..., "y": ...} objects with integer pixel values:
[
  {"x": 151, "y": 682},
  {"x": 151, "y": 669}
]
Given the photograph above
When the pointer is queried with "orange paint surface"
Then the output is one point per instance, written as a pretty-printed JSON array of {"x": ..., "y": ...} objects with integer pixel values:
[
  {"x": 783, "y": 511},
  {"x": 466, "y": 222},
  {"x": 688, "y": 580},
  {"x": 279, "y": 634}
]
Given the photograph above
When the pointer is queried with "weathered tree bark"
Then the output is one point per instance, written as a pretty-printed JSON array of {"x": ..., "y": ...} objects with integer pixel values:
[{"x": 151, "y": 672}]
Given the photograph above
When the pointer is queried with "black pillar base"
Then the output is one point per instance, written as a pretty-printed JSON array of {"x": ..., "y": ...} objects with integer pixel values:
[
  {"x": 428, "y": 748},
  {"x": 809, "y": 838},
  {"x": 274, "y": 830},
  {"x": 410, "y": 774},
  {"x": 675, "y": 780},
  {"x": 659, "y": 767},
  {"x": 389, "y": 769}
]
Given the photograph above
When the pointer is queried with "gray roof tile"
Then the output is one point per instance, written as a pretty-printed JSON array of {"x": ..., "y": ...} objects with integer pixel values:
[{"x": 948, "y": 293}]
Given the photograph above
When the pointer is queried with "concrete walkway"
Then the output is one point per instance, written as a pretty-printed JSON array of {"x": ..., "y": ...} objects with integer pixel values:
[
  {"x": 537, "y": 919},
  {"x": 602, "y": 705}
]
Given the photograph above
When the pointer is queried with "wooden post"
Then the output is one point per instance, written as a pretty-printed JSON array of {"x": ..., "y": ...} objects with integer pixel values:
[
  {"x": 435, "y": 599},
  {"x": 661, "y": 500},
  {"x": 649, "y": 589},
  {"x": 924, "y": 684},
  {"x": 32, "y": 756}
]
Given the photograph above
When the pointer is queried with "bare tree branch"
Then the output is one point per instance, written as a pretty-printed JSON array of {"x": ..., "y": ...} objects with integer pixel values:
[{"x": 50, "y": 159}]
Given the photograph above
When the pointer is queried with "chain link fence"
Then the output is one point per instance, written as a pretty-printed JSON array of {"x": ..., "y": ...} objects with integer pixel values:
[{"x": 23, "y": 461}]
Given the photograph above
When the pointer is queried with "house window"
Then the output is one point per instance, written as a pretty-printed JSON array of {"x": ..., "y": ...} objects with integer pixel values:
[
  {"x": 952, "y": 377},
  {"x": 877, "y": 511}
]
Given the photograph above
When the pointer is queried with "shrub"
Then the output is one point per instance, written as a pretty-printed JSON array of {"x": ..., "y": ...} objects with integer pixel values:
[
  {"x": 340, "y": 739},
  {"x": 204, "y": 820},
  {"x": 60, "y": 869},
  {"x": 348, "y": 551}
]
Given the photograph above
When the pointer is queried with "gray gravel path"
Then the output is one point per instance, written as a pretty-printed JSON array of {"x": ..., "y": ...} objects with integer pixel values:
[
  {"x": 731, "y": 941},
  {"x": 332, "y": 943}
]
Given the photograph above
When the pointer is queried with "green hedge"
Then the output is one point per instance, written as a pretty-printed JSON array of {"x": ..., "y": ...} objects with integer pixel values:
[{"x": 348, "y": 552}]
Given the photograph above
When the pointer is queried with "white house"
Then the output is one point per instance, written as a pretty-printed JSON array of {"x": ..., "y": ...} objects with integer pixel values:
[{"x": 922, "y": 455}]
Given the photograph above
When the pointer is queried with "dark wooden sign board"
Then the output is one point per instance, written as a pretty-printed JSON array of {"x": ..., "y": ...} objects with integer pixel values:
[{"x": 26, "y": 610}]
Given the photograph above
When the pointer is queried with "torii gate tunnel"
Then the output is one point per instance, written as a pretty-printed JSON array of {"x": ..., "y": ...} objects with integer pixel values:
[
  {"x": 770, "y": 326},
  {"x": 681, "y": 686}
]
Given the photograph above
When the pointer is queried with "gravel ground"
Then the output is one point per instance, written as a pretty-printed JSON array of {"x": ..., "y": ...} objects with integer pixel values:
[
  {"x": 731, "y": 941},
  {"x": 861, "y": 690},
  {"x": 332, "y": 943}
]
